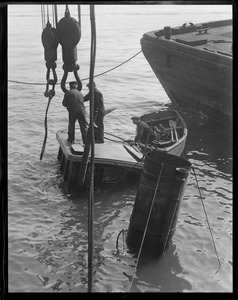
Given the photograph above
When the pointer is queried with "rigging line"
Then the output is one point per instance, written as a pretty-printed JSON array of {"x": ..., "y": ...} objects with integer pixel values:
[
  {"x": 53, "y": 16},
  {"x": 91, "y": 195},
  {"x": 41, "y": 17},
  {"x": 115, "y": 136},
  {"x": 33, "y": 83},
  {"x": 56, "y": 15},
  {"x": 46, "y": 128},
  {"x": 207, "y": 221},
  {"x": 111, "y": 140},
  {"x": 48, "y": 17},
  {"x": 118, "y": 65},
  {"x": 147, "y": 223},
  {"x": 79, "y": 15}
]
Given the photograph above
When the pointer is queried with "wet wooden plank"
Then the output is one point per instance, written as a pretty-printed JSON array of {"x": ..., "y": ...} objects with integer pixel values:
[{"x": 108, "y": 153}]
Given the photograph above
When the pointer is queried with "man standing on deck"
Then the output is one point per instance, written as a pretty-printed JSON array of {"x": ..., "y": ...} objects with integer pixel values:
[
  {"x": 99, "y": 113},
  {"x": 73, "y": 101},
  {"x": 145, "y": 134}
]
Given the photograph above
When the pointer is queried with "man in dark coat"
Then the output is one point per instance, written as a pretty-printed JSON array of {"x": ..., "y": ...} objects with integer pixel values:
[
  {"x": 73, "y": 101},
  {"x": 99, "y": 113},
  {"x": 143, "y": 130}
]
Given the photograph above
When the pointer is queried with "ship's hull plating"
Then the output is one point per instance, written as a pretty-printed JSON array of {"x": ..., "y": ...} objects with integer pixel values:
[{"x": 192, "y": 78}]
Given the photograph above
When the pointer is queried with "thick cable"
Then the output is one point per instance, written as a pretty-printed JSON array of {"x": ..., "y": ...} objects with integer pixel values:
[
  {"x": 46, "y": 128},
  {"x": 91, "y": 195},
  {"x": 56, "y": 15},
  {"x": 115, "y": 136},
  {"x": 79, "y": 16},
  {"x": 118, "y": 65},
  {"x": 146, "y": 226},
  {"x": 53, "y": 16},
  {"x": 209, "y": 227},
  {"x": 100, "y": 74},
  {"x": 42, "y": 23},
  {"x": 48, "y": 16}
]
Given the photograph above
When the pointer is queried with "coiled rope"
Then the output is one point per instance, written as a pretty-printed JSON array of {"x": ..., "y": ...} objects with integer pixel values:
[{"x": 100, "y": 74}]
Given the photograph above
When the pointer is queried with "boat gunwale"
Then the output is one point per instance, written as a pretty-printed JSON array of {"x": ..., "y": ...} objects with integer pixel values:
[
  {"x": 203, "y": 55},
  {"x": 216, "y": 57},
  {"x": 105, "y": 161},
  {"x": 181, "y": 29},
  {"x": 174, "y": 113}
]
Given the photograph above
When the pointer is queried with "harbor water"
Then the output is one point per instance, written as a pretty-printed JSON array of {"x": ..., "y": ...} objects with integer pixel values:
[{"x": 47, "y": 229}]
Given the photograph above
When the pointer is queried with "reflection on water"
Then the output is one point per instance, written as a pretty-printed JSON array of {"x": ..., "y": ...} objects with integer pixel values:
[
  {"x": 161, "y": 275},
  {"x": 54, "y": 250}
]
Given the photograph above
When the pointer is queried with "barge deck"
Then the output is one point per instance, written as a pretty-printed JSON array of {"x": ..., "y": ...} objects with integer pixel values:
[{"x": 110, "y": 157}]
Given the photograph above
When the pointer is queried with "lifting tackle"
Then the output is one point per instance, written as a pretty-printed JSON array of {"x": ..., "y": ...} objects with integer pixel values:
[
  {"x": 50, "y": 42},
  {"x": 69, "y": 34}
]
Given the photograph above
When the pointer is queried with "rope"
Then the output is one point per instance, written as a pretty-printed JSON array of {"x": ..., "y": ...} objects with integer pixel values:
[
  {"x": 48, "y": 17},
  {"x": 91, "y": 195},
  {"x": 122, "y": 231},
  {"x": 115, "y": 136},
  {"x": 46, "y": 129},
  {"x": 79, "y": 15},
  {"x": 111, "y": 140},
  {"x": 147, "y": 223},
  {"x": 42, "y": 16},
  {"x": 100, "y": 74},
  {"x": 53, "y": 17},
  {"x": 56, "y": 15},
  {"x": 118, "y": 65},
  {"x": 207, "y": 221}
]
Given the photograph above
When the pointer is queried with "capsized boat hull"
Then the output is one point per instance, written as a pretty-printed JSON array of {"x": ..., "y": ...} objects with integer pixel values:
[{"x": 195, "y": 69}]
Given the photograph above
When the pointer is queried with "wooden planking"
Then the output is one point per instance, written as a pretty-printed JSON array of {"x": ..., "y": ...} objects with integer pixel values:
[
  {"x": 157, "y": 54},
  {"x": 206, "y": 97},
  {"x": 108, "y": 153}
]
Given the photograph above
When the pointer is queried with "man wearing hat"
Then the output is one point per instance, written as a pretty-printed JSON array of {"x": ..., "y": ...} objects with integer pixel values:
[
  {"x": 73, "y": 101},
  {"x": 143, "y": 130},
  {"x": 99, "y": 113}
]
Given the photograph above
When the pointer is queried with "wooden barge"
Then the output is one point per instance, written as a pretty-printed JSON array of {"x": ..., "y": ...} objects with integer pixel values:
[
  {"x": 111, "y": 160},
  {"x": 194, "y": 65},
  {"x": 114, "y": 158}
]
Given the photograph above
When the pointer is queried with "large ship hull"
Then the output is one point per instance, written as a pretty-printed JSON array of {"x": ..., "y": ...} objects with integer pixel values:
[{"x": 195, "y": 67}]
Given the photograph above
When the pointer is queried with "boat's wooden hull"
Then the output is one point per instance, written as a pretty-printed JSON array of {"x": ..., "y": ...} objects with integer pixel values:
[
  {"x": 163, "y": 117},
  {"x": 191, "y": 76},
  {"x": 112, "y": 159}
]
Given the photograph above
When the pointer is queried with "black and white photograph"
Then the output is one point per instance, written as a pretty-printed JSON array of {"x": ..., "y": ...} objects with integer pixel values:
[{"x": 119, "y": 147}]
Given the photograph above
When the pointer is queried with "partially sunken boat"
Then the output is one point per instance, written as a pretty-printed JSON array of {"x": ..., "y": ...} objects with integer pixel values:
[
  {"x": 193, "y": 63},
  {"x": 114, "y": 159}
]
